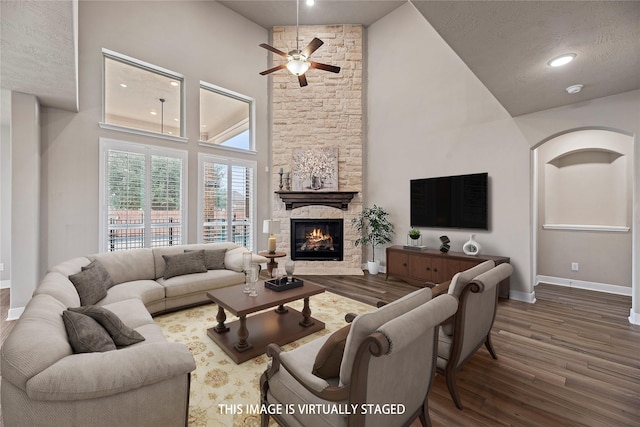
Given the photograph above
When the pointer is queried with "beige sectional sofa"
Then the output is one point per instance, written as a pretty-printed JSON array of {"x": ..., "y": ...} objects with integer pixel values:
[{"x": 145, "y": 384}]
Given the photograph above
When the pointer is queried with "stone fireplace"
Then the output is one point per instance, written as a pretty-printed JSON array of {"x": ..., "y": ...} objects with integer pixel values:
[{"x": 327, "y": 112}]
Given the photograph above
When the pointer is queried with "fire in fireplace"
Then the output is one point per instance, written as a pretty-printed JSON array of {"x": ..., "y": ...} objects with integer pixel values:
[{"x": 316, "y": 239}]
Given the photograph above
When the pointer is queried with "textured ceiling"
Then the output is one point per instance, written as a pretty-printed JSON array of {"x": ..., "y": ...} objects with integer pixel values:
[
  {"x": 508, "y": 44},
  {"x": 505, "y": 43}
]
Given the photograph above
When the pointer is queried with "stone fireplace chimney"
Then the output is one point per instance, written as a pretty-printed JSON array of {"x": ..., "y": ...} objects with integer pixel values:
[{"x": 326, "y": 113}]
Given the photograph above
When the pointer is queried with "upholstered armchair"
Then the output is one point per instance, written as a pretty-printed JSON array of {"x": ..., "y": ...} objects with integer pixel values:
[
  {"x": 470, "y": 328},
  {"x": 384, "y": 376}
]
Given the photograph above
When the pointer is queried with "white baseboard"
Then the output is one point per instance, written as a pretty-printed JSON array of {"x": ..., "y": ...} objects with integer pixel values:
[
  {"x": 15, "y": 313},
  {"x": 529, "y": 297},
  {"x": 581, "y": 284},
  {"x": 5, "y": 284},
  {"x": 634, "y": 318}
]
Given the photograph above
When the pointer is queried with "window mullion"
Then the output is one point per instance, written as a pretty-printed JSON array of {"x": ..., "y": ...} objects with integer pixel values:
[{"x": 147, "y": 200}]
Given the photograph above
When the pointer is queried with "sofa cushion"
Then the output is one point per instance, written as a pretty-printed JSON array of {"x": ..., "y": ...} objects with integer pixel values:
[
  {"x": 90, "y": 285},
  {"x": 184, "y": 263},
  {"x": 40, "y": 327},
  {"x": 200, "y": 282},
  {"x": 329, "y": 357},
  {"x": 59, "y": 287},
  {"x": 129, "y": 265},
  {"x": 85, "y": 334},
  {"x": 96, "y": 375},
  {"x": 147, "y": 291},
  {"x": 131, "y": 311},
  {"x": 72, "y": 266},
  {"x": 121, "y": 334},
  {"x": 108, "y": 282}
]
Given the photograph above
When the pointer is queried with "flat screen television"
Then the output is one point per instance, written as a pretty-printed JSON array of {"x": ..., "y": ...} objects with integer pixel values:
[{"x": 450, "y": 202}]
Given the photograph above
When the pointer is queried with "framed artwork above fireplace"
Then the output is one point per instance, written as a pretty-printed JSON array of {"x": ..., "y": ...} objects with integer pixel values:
[{"x": 315, "y": 169}]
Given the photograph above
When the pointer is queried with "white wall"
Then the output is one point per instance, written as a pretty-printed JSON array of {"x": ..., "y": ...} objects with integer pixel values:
[
  {"x": 5, "y": 187},
  {"x": 428, "y": 115},
  {"x": 25, "y": 203},
  {"x": 201, "y": 40}
]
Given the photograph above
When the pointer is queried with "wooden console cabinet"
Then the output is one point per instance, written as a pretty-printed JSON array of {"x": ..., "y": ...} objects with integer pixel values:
[{"x": 429, "y": 266}]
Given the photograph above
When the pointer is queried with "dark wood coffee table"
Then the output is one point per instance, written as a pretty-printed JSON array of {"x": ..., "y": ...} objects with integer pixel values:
[{"x": 281, "y": 326}]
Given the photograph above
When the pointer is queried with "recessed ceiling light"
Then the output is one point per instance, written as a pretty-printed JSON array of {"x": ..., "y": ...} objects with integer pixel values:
[
  {"x": 153, "y": 113},
  {"x": 310, "y": 2},
  {"x": 174, "y": 83},
  {"x": 562, "y": 60},
  {"x": 203, "y": 126},
  {"x": 123, "y": 85},
  {"x": 574, "y": 89},
  {"x": 176, "y": 120}
]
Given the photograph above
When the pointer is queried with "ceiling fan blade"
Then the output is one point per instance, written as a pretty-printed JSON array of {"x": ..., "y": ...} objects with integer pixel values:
[
  {"x": 271, "y": 70},
  {"x": 312, "y": 47},
  {"x": 325, "y": 67},
  {"x": 273, "y": 49},
  {"x": 303, "y": 80}
]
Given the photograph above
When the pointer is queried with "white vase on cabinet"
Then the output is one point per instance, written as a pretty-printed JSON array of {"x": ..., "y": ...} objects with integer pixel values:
[{"x": 471, "y": 247}]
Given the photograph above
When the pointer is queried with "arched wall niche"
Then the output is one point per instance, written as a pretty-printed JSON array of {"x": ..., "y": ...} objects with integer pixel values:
[
  {"x": 587, "y": 187},
  {"x": 583, "y": 201}
]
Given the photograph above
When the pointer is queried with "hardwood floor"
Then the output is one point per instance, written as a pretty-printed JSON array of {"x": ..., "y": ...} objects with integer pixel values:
[{"x": 570, "y": 359}]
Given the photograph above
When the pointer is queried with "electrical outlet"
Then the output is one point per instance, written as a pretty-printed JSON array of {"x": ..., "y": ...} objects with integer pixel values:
[
  {"x": 2, "y": 266},
  {"x": 575, "y": 266}
]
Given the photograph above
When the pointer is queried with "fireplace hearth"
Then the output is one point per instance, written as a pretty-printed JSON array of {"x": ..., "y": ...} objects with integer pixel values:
[{"x": 317, "y": 239}]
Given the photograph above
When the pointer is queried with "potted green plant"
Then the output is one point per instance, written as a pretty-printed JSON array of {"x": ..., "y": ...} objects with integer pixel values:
[
  {"x": 414, "y": 234},
  {"x": 375, "y": 229}
]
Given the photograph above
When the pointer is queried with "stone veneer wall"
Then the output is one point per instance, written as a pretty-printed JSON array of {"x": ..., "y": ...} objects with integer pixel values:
[{"x": 327, "y": 112}]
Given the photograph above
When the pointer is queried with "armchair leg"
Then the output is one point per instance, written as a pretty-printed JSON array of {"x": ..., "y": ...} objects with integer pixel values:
[
  {"x": 453, "y": 389},
  {"x": 489, "y": 345},
  {"x": 425, "y": 419},
  {"x": 264, "y": 420},
  {"x": 264, "y": 387}
]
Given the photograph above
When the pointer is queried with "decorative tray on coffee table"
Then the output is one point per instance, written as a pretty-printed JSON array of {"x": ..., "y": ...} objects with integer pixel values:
[{"x": 283, "y": 284}]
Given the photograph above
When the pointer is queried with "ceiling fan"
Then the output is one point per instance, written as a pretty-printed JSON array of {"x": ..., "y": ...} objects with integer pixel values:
[{"x": 298, "y": 60}]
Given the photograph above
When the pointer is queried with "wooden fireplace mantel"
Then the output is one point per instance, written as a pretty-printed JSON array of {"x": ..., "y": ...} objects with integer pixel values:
[{"x": 334, "y": 199}]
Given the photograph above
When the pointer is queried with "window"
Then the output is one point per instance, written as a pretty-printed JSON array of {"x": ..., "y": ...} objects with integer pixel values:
[
  {"x": 226, "y": 118},
  {"x": 142, "y": 194},
  {"x": 141, "y": 97},
  {"x": 226, "y": 201}
]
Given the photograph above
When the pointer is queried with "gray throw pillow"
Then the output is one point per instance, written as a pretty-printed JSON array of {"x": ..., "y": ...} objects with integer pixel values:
[
  {"x": 90, "y": 285},
  {"x": 121, "y": 334},
  {"x": 186, "y": 263},
  {"x": 213, "y": 258},
  {"x": 108, "y": 282},
  {"x": 85, "y": 334}
]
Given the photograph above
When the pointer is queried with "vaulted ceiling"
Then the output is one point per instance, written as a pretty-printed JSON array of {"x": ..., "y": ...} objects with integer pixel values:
[{"x": 505, "y": 43}]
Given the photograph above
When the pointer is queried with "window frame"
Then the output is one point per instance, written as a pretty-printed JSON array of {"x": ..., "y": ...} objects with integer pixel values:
[
  {"x": 106, "y": 53},
  {"x": 147, "y": 150},
  {"x": 229, "y": 161},
  {"x": 252, "y": 117}
]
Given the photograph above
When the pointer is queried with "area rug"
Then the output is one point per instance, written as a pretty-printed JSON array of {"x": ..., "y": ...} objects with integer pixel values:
[{"x": 224, "y": 394}]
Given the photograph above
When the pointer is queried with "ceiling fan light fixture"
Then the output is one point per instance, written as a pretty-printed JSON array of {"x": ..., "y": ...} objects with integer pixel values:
[
  {"x": 561, "y": 60},
  {"x": 298, "y": 64}
]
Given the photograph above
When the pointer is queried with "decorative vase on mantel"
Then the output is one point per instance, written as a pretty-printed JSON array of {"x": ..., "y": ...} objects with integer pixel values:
[
  {"x": 316, "y": 183},
  {"x": 471, "y": 247}
]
